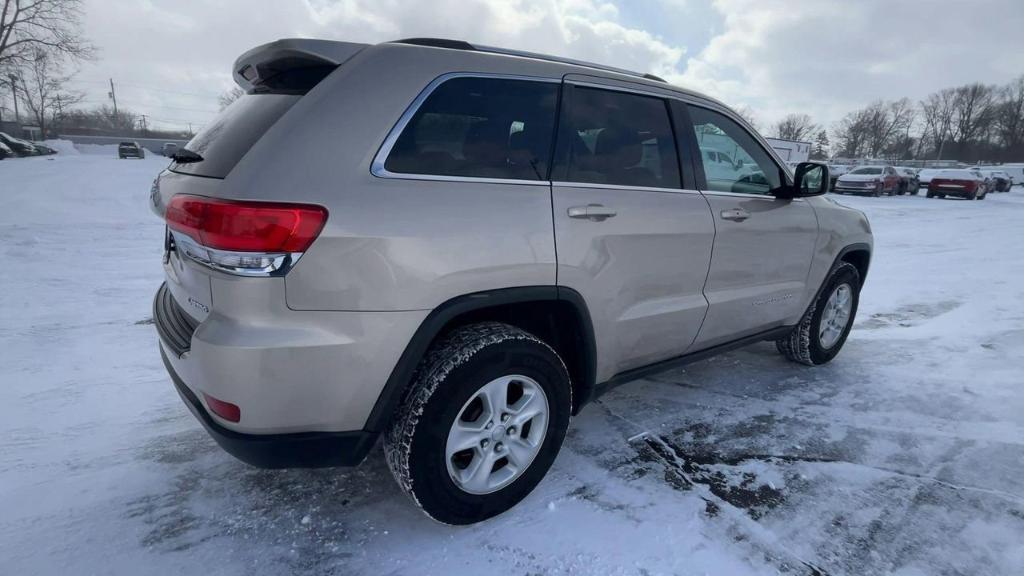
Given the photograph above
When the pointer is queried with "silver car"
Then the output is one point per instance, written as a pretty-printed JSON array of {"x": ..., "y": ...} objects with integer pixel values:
[{"x": 457, "y": 247}]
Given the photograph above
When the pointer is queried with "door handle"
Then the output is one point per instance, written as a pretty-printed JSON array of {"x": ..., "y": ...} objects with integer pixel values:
[
  {"x": 593, "y": 212},
  {"x": 736, "y": 214}
]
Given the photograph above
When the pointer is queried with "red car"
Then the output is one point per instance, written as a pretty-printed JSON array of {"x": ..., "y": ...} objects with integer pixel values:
[{"x": 962, "y": 183}]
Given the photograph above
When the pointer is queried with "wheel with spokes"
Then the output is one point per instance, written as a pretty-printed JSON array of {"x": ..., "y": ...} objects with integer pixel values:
[
  {"x": 825, "y": 326},
  {"x": 482, "y": 423}
]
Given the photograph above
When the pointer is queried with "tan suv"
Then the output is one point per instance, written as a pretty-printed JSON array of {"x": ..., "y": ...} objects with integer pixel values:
[{"x": 457, "y": 247}]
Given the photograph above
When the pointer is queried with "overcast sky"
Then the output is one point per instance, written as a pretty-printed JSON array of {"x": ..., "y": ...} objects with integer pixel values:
[{"x": 171, "y": 58}]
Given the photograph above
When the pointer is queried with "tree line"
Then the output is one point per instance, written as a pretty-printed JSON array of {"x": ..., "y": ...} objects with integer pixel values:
[{"x": 970, "y": 123}]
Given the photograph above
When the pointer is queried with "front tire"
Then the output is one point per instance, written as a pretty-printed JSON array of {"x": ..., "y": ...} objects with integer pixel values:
[
  {"x": 825, "y": 326},
  {"x": 482, "y": 423}
]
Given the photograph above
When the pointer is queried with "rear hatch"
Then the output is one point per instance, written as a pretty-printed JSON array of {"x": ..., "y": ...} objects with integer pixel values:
[{"x": 275, "y": 77}]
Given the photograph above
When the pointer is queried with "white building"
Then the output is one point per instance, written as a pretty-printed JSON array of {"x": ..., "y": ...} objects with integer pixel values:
[{"x": 791, "y": 150}]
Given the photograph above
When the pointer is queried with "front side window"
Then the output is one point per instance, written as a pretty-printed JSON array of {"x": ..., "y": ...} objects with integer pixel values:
[
  {"x": 733, "y": 160},
  {"x": 480, "y": 128},
  {"x": 620, "y": 139}
]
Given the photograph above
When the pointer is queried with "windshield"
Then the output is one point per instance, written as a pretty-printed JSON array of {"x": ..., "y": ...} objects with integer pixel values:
[{"x": 867, "y": 171}]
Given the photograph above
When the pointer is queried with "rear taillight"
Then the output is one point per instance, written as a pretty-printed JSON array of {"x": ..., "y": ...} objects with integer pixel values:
[{"x": 247, "y": 238}]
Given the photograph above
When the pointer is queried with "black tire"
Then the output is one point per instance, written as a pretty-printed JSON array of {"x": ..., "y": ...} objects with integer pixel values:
[
  {"x": 929, "y": 195},
  {"x": 973, "y": 195},
  {"x": 901, "y": 189},
  {"x": 877, "y": 193},
  {"x": 451, "y": 373},
  {"x": 803, "y": 343}
]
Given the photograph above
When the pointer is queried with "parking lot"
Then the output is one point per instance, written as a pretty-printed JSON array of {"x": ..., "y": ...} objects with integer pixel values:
[{"x": 904, "y": 455}]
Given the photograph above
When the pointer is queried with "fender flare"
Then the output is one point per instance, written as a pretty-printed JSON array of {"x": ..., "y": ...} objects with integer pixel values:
[
  {"x": 402, "y": 374},
  {"x": 855, "y": 247}
]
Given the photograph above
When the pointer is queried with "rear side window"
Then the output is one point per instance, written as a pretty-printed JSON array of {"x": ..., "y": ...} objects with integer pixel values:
[
  {"x": 480, "y": 128},
  {"x": 620, "y": 139},
  {"x": 224, "y": 141}
]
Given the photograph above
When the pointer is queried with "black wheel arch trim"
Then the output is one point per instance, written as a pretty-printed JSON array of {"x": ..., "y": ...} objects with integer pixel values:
[
  {"x": 435, "y": 322},
  {"x": 855, "y": 247}
]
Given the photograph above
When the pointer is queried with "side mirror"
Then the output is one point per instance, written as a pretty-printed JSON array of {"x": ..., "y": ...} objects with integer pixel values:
[{"x": 810, "y": 179}]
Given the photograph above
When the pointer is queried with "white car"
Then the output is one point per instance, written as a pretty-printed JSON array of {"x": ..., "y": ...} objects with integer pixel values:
[
  {"x": 870, "y": 180},
  {"x": 924, "y": 176}
]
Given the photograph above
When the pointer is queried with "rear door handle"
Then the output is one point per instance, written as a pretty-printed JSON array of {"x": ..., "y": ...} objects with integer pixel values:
[
  {"x": 736, "y": 214},
  {"x": 594, "y": 212}
]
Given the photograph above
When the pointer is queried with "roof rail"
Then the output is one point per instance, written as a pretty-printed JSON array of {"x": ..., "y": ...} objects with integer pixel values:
[
  {"x": 462, "y": 45},
  {"x": 437, "y": 43}
]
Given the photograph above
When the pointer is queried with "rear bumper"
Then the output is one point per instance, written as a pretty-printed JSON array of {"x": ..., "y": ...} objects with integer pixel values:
[
  {"x": 958, "y": 192},
  {"x": 300, "y": 450}
]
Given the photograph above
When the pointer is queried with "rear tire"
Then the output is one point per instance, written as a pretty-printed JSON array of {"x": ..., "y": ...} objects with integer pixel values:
[
  {"x": 819, "y": 336},
  {"x": 454, "y": 397}
]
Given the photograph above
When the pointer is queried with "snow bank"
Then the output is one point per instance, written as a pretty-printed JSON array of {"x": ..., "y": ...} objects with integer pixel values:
[
  {"x": 97, "y": 149},
  {"x": 63, "y": 147}
]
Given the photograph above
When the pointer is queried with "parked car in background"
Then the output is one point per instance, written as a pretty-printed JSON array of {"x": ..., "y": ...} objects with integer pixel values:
[
  {"x": 168, "y": 149},
  {"x": 987, "y": 181},
  {"x": 5, "y": 151},
  {"x": 957, "y": 182},
  {"x": 1001, "y": 180},
  {"x": 908, "y": 180},
  {"x": 18, "y": 146},
  {"x": 43, "y": 150},
  {"x": 869, "y": 180},
  {"x": 1016, "y": 172},
  {"x": 835, "y": 171},
  {"x": 924, "y": 176},
  {"x": 130, "y": 150},
  {"x": 452, "y": 280}
]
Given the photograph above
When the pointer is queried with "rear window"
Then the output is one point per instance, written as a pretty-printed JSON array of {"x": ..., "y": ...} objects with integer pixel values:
[
  {"x": 224, "y": 141},
  {"x": 867, "y": 171},
  {"x": 479, "y": 128},
  {"x": 956, "y": 174}
]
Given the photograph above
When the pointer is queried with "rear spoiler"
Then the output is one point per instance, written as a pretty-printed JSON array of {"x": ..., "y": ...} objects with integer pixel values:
[{"x": 291, "y": 65}]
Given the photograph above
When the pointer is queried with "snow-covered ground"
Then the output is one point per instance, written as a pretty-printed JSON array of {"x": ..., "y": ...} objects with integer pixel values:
[{"x": 905, "y": 455}]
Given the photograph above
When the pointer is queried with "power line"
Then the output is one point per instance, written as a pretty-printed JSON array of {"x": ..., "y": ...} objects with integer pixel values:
[{"x": 150, "y": 88}]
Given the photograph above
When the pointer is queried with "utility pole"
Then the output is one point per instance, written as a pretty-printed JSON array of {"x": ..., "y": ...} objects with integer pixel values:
[
  {"x": 113, "y": 96},
  {"x": 14, "y": 94},
  {"x": 143, "y": 124}
]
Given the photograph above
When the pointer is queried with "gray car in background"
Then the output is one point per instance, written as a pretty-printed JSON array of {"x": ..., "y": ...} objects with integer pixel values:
[
  {"x": 130, "y": 150},
  {"x": 457, "y": 248}
]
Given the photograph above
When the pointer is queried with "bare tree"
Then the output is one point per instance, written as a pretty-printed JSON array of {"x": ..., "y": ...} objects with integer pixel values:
[
  {"x": 796, "y": 127},
  {"x": 937, "y": 113},
  {"x": 28, "y": 26},
  {"x": 1009, "y": 116},
  {"x": 230, "y": 96},
  {"x": 42, "y": 89},
  {"x": 851, "y": 134},
  {"x": 972, "y": 112}
]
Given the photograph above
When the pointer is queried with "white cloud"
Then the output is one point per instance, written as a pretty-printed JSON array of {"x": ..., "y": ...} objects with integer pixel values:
[
  {"x": 171, "y": 58},
  {"x": 827, "y": 57}
]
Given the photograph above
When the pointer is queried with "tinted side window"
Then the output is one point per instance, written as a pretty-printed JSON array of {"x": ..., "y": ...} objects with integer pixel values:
[
  {"x": 733, "y": 160},
  {"x": 480, "y": 127},
  {"x": 621, "y": 139}
]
